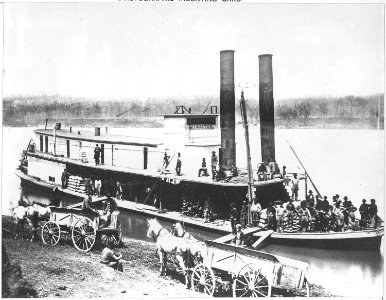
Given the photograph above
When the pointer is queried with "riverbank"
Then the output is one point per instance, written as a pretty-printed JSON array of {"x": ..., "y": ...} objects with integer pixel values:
[{"x": 62, "y": 271}]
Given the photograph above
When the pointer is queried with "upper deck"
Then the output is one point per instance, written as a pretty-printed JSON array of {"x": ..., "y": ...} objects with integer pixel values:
[{"x": 89, "y": 136}]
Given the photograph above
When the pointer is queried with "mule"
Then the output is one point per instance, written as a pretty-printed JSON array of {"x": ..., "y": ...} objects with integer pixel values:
[
  {"x": 196, "y": 247},
  {"x": 168, "y": 244},
  {"x": 30, "y": 215}
]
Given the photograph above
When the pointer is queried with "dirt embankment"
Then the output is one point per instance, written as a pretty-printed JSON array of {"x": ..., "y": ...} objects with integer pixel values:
[{"x": 63, "y": 271}]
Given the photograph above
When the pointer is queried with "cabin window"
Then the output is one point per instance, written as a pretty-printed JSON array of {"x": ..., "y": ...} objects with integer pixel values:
[
  {"x": 68, "y": 148},
  {"x": 41, "y": 143},
  {"x": 46, "y": 144},
  {"x": 145, "y": 150},
  {"x": 201, "y": 121},
  {"x": 51, "y": 178}
]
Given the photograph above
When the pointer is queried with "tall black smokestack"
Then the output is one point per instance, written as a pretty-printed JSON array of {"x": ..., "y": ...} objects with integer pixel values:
[
  {"x": 267, "y": 121},
  {"x": 227, "y": 109}
]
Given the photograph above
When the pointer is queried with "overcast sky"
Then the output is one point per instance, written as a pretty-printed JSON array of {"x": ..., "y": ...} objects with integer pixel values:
[{"x": 145, "y": 50}]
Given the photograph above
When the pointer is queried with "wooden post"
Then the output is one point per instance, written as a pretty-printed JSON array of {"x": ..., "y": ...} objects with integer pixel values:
[
  {"x": 305, "y": 186},
  {"x": 55, "y": 141},
  {"x": 250, "y": 173},
  {"x": 112, "y": 155}
]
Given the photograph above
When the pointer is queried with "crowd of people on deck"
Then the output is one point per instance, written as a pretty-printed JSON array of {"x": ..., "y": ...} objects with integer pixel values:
[
  {"x": 312, "y": 214},
  {"x": 198, "y": 209}
]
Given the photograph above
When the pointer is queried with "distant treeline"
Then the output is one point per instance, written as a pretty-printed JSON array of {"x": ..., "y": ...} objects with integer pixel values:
[{"x": 349, "y": 111}]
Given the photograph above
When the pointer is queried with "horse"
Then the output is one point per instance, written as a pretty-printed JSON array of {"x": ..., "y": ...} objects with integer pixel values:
[
  {"x": 196, "y": 247},
  {"x": 31, "y": 215},
  {"x": 168, "y": 244}
]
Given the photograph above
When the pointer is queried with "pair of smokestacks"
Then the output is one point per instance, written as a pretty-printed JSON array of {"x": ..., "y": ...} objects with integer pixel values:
[{"x": 227, "y": 109}]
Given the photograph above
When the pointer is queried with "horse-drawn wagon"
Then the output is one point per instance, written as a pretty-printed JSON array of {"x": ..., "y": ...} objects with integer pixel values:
[
  {"x": 248, "y": 272},
  {"x": 84, "y": 228}
]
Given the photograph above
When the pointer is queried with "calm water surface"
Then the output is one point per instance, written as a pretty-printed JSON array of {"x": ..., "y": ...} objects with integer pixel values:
[{"x": 347, "y": 162}]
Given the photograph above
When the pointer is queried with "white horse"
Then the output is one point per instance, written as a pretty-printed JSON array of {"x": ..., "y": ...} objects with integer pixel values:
[
  {"x": 31, "y": 215},
  {"x": 169, "y": 244},
  {"x": 196, "y": 247}
]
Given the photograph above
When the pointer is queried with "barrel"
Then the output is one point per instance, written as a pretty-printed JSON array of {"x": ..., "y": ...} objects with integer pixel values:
[
  {"x": 58, "y": 126},
  {"x": 97, "y": 131}
]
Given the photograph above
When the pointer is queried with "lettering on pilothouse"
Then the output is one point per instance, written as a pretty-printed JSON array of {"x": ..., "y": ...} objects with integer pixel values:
[{"x": 201, "y": 126}]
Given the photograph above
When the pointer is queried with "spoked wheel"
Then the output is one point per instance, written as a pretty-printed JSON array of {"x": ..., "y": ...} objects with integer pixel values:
[
  {"x": 115, "y": 237},
  {"x": 50, "y": 233},
  {"x": 203, "y": 280},
  {"x": 83, "y": 234},
  {"x": 250, "y": 282}
]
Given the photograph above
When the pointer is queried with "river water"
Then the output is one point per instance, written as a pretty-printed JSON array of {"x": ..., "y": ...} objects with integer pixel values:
[{"x": 347, "y": 162}]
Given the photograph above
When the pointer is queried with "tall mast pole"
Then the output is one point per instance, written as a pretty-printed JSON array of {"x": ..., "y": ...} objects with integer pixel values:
[{"x": 249, "y": 161}]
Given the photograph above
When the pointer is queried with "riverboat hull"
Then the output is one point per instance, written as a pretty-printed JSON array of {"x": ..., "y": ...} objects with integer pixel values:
[{"x": 369, "y": 239}]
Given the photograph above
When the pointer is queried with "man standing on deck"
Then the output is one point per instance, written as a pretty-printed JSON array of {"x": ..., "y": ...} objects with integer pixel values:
[
  {"x": 97, "y": 153},
  {"x": 290, "y": 213},
  {"x": 310, "y": 199},
  {"x": 214, "y": 161},
  {"x": 271, "y": 216},
  {"x": 280, "y": 211},
  {"x": 295, "y": 187},
  {"x": 178, "y": 165},
  {"x": 255, "y": 211},
  {"x": 244, "y": 214},
  {"x": 65, "y": 177},
  {"x": 372, "y": 212},
  {"x": 233, "y": 217},
  {"x": 363, "y": 212},
  {"x": 98, "y": 186}
]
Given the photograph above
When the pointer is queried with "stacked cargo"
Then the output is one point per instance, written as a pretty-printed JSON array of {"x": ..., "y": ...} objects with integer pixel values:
[{"x": 76, "y": 184}]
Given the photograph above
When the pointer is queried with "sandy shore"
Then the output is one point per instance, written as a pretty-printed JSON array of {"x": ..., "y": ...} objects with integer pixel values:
[{"x": 63, "y": 271}]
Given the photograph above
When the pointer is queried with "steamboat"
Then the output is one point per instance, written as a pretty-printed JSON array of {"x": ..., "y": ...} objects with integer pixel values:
[{"x": 136, "y": 168}]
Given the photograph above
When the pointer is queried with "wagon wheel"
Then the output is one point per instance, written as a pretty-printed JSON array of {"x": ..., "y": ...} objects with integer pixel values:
[
  {"x": 250, "y": 282},
  {"x": 203, "y": 280},
  {"x": 83, "y": 234},
  {"x": 115, "y": 237},
  {"x": 50, "y": 233}
]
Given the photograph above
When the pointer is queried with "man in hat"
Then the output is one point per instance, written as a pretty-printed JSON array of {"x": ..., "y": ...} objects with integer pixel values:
[
  {"x": 325, "y": 205},
  {"x": 310, "y": 199},
  {"x": 345, "y": 202},
  {"x": 213, "y": 163},
  {"x": 290, "y": 213},
  {"x": 372, "y": 211},
  {"x": 97, "y": 154},
  {"x": 363, "y": 212}
]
